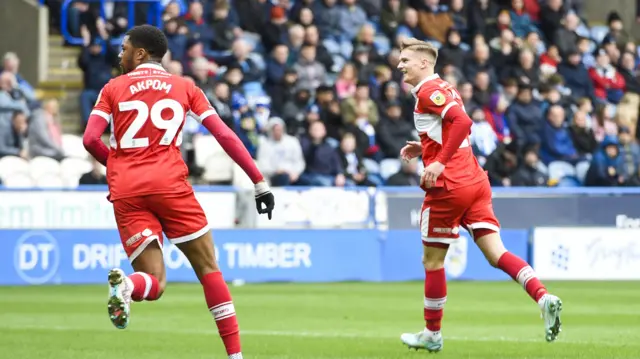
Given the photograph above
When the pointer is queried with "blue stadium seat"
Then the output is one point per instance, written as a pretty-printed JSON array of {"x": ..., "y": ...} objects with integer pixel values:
[{"x": 389, "y": 167}]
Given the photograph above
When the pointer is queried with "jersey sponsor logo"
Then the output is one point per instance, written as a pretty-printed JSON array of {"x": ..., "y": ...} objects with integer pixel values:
[
  {"x": 445, "y": 230},
  {"x": 36, "y": 257},
  {"x": 437, "y": 98}
]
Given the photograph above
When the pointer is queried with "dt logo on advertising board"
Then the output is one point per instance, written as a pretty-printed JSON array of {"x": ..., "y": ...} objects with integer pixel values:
[{"x": 36, "y": 257}]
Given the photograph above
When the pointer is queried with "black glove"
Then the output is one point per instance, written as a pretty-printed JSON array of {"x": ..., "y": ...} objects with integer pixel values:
[{"x": 264, "y": 196}]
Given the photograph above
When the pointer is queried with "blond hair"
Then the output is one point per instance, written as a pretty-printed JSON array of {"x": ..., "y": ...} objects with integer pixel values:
[{"x": 424, "y": 47}]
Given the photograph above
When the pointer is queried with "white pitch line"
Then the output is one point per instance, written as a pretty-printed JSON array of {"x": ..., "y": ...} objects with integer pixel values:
[{"x": 310, "y": 334}]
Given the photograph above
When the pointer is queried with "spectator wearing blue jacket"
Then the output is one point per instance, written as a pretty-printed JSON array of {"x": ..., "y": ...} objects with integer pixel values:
[
  {"x": 194, "y": 20},
  {"x": 557, "y": 144},
  {"x": 246, "y": 125},
  {"x": 607, "y": 166},
  {"x": 96, "y": 66},
  {"x": 521, "y": 23},
  {"x": 327, "y": 18},
  {"x": 324, "y": 165},
  {"x": 576, "y": 77},
  {"x": 352, "y": 18},
  {"x": 176, "y": 42},
  {"x": 525, "y": 118}
]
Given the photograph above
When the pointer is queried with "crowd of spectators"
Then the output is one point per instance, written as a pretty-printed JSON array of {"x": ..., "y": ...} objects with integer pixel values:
[
  {"x": 312, "y": 89},
  {"x": 28, "y": 128}
]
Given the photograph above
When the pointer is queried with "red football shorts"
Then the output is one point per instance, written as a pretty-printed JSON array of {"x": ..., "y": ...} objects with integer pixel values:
[
  {"x": 141, "y": 220},
  {"x": 443, "y": 212}
]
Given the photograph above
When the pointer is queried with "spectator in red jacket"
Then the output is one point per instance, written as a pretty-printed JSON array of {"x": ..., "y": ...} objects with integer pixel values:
[{"x": 608, "y": 83}]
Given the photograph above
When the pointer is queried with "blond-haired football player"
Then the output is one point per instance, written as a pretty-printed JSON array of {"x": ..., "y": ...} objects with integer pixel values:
[{"x": 458, "y": 193}]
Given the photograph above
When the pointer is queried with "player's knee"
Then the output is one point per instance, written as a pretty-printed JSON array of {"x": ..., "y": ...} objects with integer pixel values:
[
  {"x": 432, "y": 263},
  {"x": 206, "y": 268},
  {"x": 490, "y": 244},
  {"x": 433, "y": 258}
]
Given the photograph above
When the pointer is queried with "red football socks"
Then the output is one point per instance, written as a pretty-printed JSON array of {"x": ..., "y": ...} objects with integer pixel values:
[
  {"x": 522, "y": 273},
  {"x": 218, "y": 298},
  {"x": 145, "y": 287},
  {"x": 435, "y": 296}
]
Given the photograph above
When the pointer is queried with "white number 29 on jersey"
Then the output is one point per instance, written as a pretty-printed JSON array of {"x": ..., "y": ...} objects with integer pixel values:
[{"x": 170, "y": 126}]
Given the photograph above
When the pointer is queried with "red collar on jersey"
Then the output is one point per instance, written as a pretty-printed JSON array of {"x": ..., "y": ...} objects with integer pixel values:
[
  {"x": 415, "y": 90},
  {"x": 153, "y": 66}
]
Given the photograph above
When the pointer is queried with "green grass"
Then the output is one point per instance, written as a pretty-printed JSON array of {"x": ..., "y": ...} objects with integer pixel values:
[{"x": 304, "y": 321}]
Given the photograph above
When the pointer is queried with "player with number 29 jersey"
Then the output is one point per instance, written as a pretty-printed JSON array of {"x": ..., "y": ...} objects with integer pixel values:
[
  {"x": 146, "y": 108},
  {"x": 150, "y": 105}
]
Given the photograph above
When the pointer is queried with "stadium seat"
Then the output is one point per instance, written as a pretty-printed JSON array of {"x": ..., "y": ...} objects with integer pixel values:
[
  {"x": 43, "y": 165},
  {"x": 49, "y": 180},
  {"x": 75, "y": 166},
  {"x": 11, "y": 165},
  {"x": 18, "y": 180},
  {"x": 370, "y": 165},
  {"x": 581, "y": 170},
  {"x": 599, "y": 32},
  {"x": 258, "y": 61},
  {"x": 389, "y": 167},
  {"x": 383, "y": 45},
  {"x": 70, "y": 180},
  {"x": 218, "y": 168},
  {"x": 561, "y": 169},
  {"x": 205, "y": 146},
  {"x": 73, "y": 147}
]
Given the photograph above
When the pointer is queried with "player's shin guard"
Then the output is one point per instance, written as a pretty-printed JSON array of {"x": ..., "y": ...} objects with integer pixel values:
[
  {"x": 435, "y": 296},
  {"x": 218, "y": 298},
  {"x": 145, "y": 287},
  {"x": 522, "y": 273}
]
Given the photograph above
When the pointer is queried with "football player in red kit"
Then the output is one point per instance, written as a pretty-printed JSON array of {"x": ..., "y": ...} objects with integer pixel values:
[
  {"x": 146, "y": 109},
  {"x": 458, "y": 193}
]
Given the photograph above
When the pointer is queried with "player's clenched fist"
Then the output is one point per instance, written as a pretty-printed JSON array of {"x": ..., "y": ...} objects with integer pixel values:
[
  {"x": 430, "y": 174},
  {"x": 264, "y": 196},
  {"x": 413, "y": 149}
]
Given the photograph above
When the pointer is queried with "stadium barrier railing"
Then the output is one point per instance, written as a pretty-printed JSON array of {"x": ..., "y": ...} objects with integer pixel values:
[
  {"x": 154, "y": 17},
  {"x": 69, "y": 236}
]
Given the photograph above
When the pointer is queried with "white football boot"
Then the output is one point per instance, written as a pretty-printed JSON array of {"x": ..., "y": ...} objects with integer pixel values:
[
  {"x": 551, "y": 306},
  {"x": 120, "y": 288},
  {"x": 431, "y": 341}
]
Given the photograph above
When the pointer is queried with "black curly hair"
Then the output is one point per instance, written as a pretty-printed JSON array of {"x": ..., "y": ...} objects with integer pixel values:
[{"x": 149, "y": 38}]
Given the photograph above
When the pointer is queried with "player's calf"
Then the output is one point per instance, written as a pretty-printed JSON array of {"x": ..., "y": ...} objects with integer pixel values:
[
  {"x": 149, "y": 279},
  {"x": 146, "y": 286},
  {"x": 435, "y": 285},
  {"x": 521, "y": 272},
  {"x": 493, "y": 249},
  {"x": 435, "y": 297},
  {"x": 201, "y": 255}
]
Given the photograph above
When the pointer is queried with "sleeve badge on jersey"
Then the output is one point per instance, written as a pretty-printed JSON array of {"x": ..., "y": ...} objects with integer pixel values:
[{"x": 438, "y": 98}]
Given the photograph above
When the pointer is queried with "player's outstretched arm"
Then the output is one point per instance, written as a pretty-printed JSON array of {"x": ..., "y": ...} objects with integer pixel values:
[
  {"x": 92, "y": 141},
  {"x": 236, "y": 150},
  {"x": 232, "y": 145}
]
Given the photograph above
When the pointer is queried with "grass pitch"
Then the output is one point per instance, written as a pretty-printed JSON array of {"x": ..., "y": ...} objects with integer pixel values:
[{"x": 337, "y": 321}]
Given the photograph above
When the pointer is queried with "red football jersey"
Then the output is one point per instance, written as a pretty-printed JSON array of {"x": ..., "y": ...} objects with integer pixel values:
[
  {"x": 434, "y": 97},
  {"x": 146, "y": 109}
]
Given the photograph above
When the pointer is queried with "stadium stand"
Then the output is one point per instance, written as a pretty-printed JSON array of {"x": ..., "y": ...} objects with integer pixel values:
[{"x": 554, "y": 99}]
